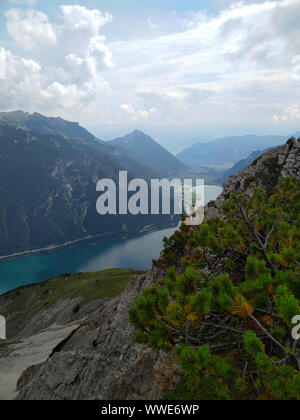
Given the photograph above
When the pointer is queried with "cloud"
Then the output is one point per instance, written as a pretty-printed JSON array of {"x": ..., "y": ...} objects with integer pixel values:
[
  {"x": 81, "y": 27},
  {"x": 79, "y": 32},
  {"x": 235, "y": 68},
  {"x": 127, "y": 108},
  {"x": 30, "y": 87},
  {"x": 289, "y": 114},
  {"x": 30, "y": 29},
  {"x": 67, "y": 59},
  {"x": 2, "y": 64},
  {"x": 30, "y": 2},
  {"x": 296, "y": 67},
  {"x": 83, "y": 19},
  {"x": 100, "y": 51},
  {"x": 134, "y": 114},
  {"x": 69, "y": 95},
  {"x": 23, "y": 80}
]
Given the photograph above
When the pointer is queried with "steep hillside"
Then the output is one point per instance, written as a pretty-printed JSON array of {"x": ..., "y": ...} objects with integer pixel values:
[
  {"x": 48, "y": 125},
  {"x": 227, "y": 151},
  {"x": 148, "y": 152},
  {"x": 101, "y": 360},
  {"x": 40, "y": 317},
  {"x": 22, "y": 307},
  {"x": 264, "y": 172},
  {"x": 38, "y": 123},
  {"x": 48, "y": 191}
]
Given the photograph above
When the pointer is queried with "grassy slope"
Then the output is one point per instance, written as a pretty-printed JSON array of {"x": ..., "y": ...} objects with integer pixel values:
[{"x": 27, "y": 301}]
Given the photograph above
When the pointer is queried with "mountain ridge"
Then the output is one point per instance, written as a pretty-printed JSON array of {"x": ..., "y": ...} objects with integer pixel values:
[
  {"x": 147, "y": 151},
  {"x": 48, "y": 125},
  {"x": 228, "y": 150}
]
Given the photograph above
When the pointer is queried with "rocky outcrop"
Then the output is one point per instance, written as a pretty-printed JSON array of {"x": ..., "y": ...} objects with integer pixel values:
[
  {"x": 264, "y": 172},
  {"x": 16, "y": 356},
  {"x": 100, "y": 360}
]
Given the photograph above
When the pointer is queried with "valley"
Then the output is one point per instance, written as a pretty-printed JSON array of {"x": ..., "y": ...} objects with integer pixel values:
[{"x": 123, "y": 251}]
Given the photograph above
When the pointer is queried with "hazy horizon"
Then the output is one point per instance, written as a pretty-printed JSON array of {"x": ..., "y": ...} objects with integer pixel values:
[{"x": 174, "y": 143}]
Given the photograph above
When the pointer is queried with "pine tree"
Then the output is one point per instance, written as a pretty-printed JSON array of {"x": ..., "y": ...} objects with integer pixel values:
[{"x": 227, "y": 308}]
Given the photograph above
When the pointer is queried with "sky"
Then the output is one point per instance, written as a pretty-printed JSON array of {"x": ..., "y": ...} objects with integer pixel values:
[{"x": 181, "y": 70}]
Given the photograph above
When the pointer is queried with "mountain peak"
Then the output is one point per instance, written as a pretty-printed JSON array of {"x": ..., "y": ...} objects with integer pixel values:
[
  {"x": 142, "y": 148},
  {"x": 139, "y": 132}
]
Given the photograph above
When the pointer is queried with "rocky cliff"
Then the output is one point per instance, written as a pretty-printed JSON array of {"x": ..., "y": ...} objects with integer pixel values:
[
  {"x": 263, "y": 172},
  {"x": 100, "y": 360}
]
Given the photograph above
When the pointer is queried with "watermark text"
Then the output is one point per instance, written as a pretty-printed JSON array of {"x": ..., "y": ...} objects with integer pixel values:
[{"x": 164, "y": 196}]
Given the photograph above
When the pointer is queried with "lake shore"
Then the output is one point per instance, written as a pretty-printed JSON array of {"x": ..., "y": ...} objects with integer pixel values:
[{"x": 88, "y": 239}]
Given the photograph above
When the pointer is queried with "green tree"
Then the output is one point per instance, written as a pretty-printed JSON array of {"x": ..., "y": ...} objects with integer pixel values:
[{"x": 226, "y": 308}]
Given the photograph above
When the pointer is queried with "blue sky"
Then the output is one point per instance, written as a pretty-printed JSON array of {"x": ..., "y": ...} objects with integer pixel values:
[
  {"x": 180, "y": 70},
  {"x": 124, "y": 12}
]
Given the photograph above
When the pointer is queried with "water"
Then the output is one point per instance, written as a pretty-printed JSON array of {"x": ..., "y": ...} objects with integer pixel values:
[{"x": 134, "y": 252}]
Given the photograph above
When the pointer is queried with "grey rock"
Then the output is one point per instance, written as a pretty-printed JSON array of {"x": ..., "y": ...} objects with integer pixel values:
[
  {"x": 99, "y": 360},
  {"x": 264, "y": 172}
]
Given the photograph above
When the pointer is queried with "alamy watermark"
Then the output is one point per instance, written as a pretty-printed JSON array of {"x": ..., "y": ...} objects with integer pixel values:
[
  {"x": 296, "y": 330},
  {"x": 2, "y": 328},
  {"x": 156, "y": 197}
]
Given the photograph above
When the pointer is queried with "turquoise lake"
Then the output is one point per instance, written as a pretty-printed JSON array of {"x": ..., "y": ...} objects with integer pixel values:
[{"x": 133, "y": 252}]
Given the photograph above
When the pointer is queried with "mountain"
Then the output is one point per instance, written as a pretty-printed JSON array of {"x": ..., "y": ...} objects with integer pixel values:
[
  {"x": 99, "y": 359},
  {"x": 148, "y": 152},
  {"x": 72, "y": 130},
  {"x": 228, "y": 150},
  {"x": 49, "y": 125},
  {"x": 48, "y": 185},
  {"x": 239, "y": 166}
]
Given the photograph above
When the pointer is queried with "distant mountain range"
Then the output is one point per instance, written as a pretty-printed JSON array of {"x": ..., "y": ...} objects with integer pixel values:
[
  {"x": 146, "y": 151},
  {"x": 225, "y": 152},
  {"x": 49, "y": 168}
]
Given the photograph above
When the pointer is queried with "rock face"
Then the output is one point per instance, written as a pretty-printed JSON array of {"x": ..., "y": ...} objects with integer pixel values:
[
  {"x": 100, "y": 360},
  {"x": 264, "y": 172},
  {"x": 239, "y": 166},
  {"x": 16, "y": 357}
]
